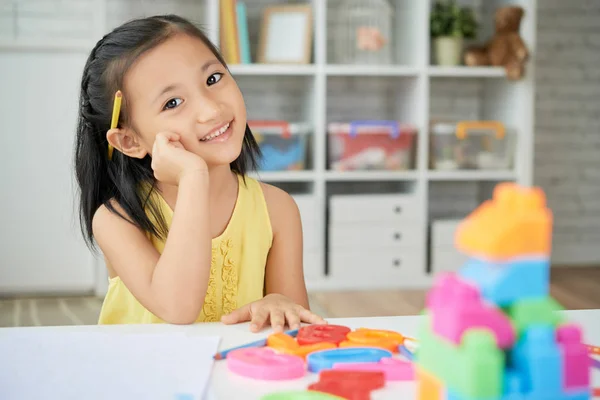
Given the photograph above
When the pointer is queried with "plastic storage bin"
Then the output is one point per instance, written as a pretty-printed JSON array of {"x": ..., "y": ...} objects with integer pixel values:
[
  {"x": 371, "y": 145},
  {"x": 362, "y": 32},
  {"x": 283, "y": 144},
  {"x": 482, "y": 145}
]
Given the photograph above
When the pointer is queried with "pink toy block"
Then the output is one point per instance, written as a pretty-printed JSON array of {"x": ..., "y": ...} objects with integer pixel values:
[
  {"x": 577, "y": 362},
  {"x": 457, "y": 306},
  {"x": 393, "y": 368}
]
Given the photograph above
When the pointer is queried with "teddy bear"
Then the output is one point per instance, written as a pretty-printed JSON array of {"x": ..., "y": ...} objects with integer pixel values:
[{"x": 505, "y": 48}]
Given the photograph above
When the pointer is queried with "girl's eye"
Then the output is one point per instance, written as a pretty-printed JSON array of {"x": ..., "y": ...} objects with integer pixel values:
[
  {"x": 172, "y": 103},
  {"x": 214, "y": 78}
]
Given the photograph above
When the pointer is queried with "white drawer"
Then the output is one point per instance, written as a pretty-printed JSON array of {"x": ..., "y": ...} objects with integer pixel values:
[
  {"x": 353, "y": 235},
  {"x": 307, "y": 205},
  {"x": 447, "y": 259},
  {"x": 314, "y": 265},
  {"x": 443, "y": 231},
  {"x": 375, "y": 208},
  {"x": 372, "y": 269}
]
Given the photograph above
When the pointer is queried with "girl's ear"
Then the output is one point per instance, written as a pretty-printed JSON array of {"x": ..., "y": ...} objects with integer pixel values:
[{"x": 125, "y": 141}]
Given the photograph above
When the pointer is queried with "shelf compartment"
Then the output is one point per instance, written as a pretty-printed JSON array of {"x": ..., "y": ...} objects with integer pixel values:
[
  {"x": 255, "y": 12},
  {"x": 396, "y": 30}
]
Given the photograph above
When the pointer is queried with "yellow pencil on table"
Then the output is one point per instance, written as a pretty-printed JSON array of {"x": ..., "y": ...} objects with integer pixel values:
[{"x": 115, "y": 118}]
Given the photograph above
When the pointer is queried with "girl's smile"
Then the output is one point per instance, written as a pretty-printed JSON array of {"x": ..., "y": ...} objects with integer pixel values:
[{"x": 219, "y": 135}]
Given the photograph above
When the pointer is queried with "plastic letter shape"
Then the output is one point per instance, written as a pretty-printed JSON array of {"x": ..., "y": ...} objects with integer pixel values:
[
  {"x": 388, "y": 340},
  {"x": 283, "y": 343},
  {"x": 322, "y": 333},
  {"x": 264, "y": 363},
  {"x": 352, "y": 385},
  {"x": 393, "y": 368},
  {"x": 325, "y": 359}
]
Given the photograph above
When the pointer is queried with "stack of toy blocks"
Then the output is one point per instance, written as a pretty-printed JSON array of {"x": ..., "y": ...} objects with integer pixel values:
[{"x": 492, "y": 331}]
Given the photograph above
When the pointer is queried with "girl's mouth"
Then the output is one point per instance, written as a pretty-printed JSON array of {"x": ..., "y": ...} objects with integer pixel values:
[{"x": 220, "y": 135}]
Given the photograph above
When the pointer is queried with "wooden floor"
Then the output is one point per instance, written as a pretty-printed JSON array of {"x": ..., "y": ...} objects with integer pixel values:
[{"x": 572, "y": 287}]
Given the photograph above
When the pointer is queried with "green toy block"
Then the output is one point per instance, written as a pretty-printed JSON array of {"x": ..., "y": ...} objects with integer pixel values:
[
  {"x": 482, "y": 365},
  {"x": 435, "y": 354},
  {"x": 475, "y": 369},
  {"x": 300, "y": 395},
  {"x": 527, "y": 312}
]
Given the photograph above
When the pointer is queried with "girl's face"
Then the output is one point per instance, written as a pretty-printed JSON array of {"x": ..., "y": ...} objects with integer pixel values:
[{"x": 181, "y": 87}]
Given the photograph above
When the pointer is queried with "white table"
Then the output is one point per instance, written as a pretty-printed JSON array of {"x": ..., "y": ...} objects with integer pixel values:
[{"x": 225, "y": 385}]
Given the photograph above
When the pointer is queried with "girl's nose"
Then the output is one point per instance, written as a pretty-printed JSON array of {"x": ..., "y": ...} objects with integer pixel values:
[{"x": 209, "y": 110}]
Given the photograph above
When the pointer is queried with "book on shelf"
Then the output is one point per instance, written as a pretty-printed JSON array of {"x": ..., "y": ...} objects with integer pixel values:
[{"x": 234, "y": 37}]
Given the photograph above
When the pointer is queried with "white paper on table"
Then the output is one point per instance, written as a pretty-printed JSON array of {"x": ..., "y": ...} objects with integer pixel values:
[{"x": 42, "y": 364}]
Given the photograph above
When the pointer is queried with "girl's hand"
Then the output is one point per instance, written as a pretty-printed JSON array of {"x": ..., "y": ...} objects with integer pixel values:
[
  {"x": 276, "y": 308},
  {"x": 171, "y": 161}
]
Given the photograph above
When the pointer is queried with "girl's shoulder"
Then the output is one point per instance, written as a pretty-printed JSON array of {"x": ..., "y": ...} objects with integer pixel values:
[{"x": 281, "y": 205}]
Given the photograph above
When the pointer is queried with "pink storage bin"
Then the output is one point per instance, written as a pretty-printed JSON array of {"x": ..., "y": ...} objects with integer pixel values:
[{"x": 371, "y": 145}]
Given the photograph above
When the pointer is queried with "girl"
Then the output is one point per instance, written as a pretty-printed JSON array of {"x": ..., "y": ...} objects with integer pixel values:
[{"x": 186, "y": 235}]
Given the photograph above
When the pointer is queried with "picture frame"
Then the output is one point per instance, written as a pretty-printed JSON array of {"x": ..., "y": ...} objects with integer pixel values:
[{"x": 286, "y": 35}]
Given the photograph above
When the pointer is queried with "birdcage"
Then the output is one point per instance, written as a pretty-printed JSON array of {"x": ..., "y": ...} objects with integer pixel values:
[{"x": 363, "y": 32}]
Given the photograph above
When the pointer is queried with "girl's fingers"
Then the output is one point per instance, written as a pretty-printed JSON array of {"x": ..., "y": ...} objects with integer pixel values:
[
  {"x": 293, "y": 319},
  {"x": 309, "y": 317},
  {"x": 259, "y": 319},
  {"x": 277, "y": 320},
  {"x": 242, "y": 314}
]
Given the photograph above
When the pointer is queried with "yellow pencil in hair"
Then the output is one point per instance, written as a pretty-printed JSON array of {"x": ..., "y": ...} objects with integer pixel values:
[{"x": 115, "y": 118}]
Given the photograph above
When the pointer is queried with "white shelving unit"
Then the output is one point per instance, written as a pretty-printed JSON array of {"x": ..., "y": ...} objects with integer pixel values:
[{"x": 411, "y": 90}]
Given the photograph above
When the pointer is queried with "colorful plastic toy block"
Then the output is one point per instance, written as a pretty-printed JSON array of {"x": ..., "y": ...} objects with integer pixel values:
[
  {"x": 492, "y": 331},
  {"x": 457, "y": 306},
  {"x": 503, "y": 283},
  {"x": 515, "y": 223}
]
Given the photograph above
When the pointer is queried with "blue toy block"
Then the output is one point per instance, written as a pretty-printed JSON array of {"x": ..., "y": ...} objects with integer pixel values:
[
  {"x": 504, "y": 283},
  {"x": 537, "y": 363},
  {"x": 514, "y": 390},
  {"x": 579, "y": 395}
]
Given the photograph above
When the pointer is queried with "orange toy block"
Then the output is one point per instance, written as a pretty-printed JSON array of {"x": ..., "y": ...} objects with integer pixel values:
[
  {"x": 516, "y": 222},
  {"x": 428, "y": 386},
  {"x": 286, "y": 344},
  {"x": 380, "y": 338}
]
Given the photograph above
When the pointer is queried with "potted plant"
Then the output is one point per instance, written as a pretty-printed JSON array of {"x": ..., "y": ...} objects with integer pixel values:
[{"x": 449, "y": 26}]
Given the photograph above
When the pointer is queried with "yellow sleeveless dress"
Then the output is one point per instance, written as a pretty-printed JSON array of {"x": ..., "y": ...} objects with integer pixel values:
[{"x": 237, "y": 270}]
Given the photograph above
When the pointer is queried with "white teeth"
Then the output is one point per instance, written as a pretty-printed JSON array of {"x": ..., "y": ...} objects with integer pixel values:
[{"x": 216, "y": 134}]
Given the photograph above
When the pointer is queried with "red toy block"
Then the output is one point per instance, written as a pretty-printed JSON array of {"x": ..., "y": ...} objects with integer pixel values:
[
  {"x": 577, "y": 362},
  {"x": 351, "y": 385},
  {"x": 457, "y": 306}
]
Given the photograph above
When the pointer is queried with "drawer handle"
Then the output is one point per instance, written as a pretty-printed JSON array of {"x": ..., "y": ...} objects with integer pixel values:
[
  {"x": 397, "y": 263},
  {"x": 397, "y": 209},
  {"x": 397, "y": 236}
]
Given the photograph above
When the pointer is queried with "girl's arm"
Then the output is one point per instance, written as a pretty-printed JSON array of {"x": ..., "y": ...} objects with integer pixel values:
[
  {"x": 284, "y": 270},
  {"x": 173, "y": 285}
]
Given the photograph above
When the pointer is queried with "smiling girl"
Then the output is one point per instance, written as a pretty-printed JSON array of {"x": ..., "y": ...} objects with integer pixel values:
[{"x": 186, "y": 235}]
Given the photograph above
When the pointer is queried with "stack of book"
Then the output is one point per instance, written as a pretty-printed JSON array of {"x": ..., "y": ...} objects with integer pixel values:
[{"x": 234, "y": 38}]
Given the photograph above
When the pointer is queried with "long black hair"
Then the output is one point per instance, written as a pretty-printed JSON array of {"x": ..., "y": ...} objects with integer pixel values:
[{"x": 101, "y": 180}]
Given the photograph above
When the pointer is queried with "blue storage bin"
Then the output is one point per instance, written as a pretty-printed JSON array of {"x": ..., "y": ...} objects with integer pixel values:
[{"x": 283, "y": 144}]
